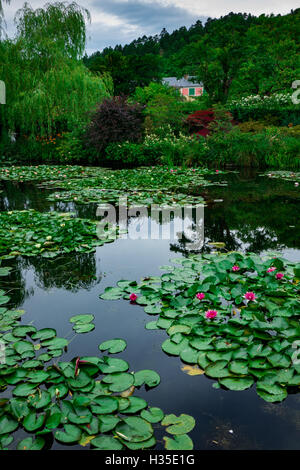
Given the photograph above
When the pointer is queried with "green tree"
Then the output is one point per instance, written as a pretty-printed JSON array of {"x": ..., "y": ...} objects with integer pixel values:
[{"x": 48, "y": 89}]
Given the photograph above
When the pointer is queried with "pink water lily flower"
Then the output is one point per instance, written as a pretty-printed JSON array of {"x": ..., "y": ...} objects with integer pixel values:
[
  {"x": 235, "y": 268},
  {"x": 279, "y": 275},
  {"x": 133, "y": 297},
  {"x": 270, "y": 270},
  {"x": 200, "y": 295},
  {"x": 250, "y": 296},
  {"x": 211, "y": 314}
]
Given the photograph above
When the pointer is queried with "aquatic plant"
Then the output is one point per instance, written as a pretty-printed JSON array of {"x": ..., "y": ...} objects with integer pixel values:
[
  {"x": 49, "y": 234},
  {"x": 87, "y": 401},
  {"x": 242, "y": 332}
]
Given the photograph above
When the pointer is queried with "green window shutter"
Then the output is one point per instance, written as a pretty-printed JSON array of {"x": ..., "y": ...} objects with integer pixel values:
[{"x": 191, "y": 91}]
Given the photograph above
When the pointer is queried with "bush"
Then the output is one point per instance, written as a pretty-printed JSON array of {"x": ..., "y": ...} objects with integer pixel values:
[
  {"x": 265, "y": 149},
  {"x": 115, "y": 120},
  {"x": 215, "y": 119},
  {"x": 199, "y": 121},
  {"x": 168, "y": 150},
  {"x": 72, "y": 149},
  {"x": 165, "y": 110},
  {"x": 276, "y": 109},
  {"x": 28, "y": 149},
  {"x": 128, "y": 155},
  {"x": 260, "y": 126}
]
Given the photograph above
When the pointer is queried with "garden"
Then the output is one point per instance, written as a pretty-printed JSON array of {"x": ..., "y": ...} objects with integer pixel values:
[{"x": 115, "y": 334}]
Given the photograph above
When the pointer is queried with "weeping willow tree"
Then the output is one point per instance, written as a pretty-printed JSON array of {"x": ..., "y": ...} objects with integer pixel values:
[{"x": 48, "y": 87}]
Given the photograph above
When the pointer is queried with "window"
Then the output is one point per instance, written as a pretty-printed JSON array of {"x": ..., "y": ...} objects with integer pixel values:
[{"x": 191, "y": 91}]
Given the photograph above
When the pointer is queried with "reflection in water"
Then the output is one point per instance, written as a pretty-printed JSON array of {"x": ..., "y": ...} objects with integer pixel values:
[
  {"x": 227, "y": 436},
  {"x": 71, "y": 272},
  {"x": 290, "y": 415},
  {"x": 255, "y": 214}
]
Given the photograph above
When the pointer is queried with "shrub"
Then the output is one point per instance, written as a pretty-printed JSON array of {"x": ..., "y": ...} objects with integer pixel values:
[
  {"x": 199, "y": 121},
  {"x": 215, "y": 119},
  {"x": 72, "y": 149},
  {"x": 276, "y": 109},
  {"x": 168, "y": 150},
  {"x": 115, "y": 120},
  {"x": 265, "y": 149},
  {"x": 28, "y": 149},
  {"x": 128, "y": 155},
  {"x": 164, "y": 110}
]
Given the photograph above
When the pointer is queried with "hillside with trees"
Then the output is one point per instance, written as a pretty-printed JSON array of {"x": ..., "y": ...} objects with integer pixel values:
[{"x": 235, "y": 55}]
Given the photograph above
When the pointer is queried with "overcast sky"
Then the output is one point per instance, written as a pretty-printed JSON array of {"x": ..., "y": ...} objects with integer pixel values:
[{"x": 121, "y": 21}]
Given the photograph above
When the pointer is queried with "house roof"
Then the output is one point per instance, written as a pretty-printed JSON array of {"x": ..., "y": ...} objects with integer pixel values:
[{"x": 182, "y": 82}]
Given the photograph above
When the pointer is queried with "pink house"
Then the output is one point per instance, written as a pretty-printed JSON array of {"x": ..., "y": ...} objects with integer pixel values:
[{"x": 187, "y": 87}]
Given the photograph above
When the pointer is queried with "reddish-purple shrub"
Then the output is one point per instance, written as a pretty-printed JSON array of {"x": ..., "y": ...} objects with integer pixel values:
[
  {"x": 115, "y": 120},
  {"x": 206, "y": 121},
  {"x": 198, "y": 121}
]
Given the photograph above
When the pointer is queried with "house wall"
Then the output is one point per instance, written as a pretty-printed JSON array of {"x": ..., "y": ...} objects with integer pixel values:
[{"x": 185, "y": 92}]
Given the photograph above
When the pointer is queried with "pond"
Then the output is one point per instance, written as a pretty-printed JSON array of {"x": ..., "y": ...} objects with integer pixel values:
[{"x": 251, "y": 213}]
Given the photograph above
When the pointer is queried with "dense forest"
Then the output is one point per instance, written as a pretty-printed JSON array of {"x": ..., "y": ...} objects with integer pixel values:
[{"x": 236, "y": 55}]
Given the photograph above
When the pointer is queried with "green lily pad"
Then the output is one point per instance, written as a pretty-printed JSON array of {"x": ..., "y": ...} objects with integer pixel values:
[
  {"x": 113, "y": 346},
  {"x": 180, "y": 442},
  {"x": 147, "y": 377},
  {"x": 178, "y": 424}
]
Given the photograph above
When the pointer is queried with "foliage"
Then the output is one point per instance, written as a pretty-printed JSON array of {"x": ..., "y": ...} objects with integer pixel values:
[
  {"x": 127, "y": 72},
  {"x": 147, "y": 94},
  {"x": 130, "y": 155},
  {"x": 42, "y": 73},
  {"x": 72, "y": 149},
  {"x": 243, "y": 328},
  {"x": 115, "y": 120},
  {"x": 260, "y": 126},
  {"x": 57, "y": 28},
  {"x": 167, "y": 150},
  {"x": 104, "y": 414},
  {"x": 46, "y": 172},
  {"x": 49, "y": 234},
  {"x": 235, "y": 55},
  {"x": 285, "y": 175},
  {"x": 198, "y": 122},
  {"x": 265, "y": 149},
  {"x": 165, "y": 110},
  {"x": 275, "y": 109}
]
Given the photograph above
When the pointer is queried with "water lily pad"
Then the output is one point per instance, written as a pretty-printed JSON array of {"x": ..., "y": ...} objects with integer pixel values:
[
  {"x": 178, "y": 424},
  {"x": 119, "y": 381},
  {"x": 113, "y": 346},
  {"x": 237, "y": 383},
  {"x": 134, "y": 429},
  {"x": 147, "y": 377},
  {"x": 180, "y": 442},
  {"x": 107, "y": 443},
  {"x": 70, "y": 435},
  {"x": 29, "y": 443},
  {"x": 7, "y": 424},
  {"x": 153, "y": 415},
  {"x": 82, "y": 319}
]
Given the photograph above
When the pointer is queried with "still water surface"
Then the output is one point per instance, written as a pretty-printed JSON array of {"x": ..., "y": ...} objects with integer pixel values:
[{"x": 252, "y": 213}]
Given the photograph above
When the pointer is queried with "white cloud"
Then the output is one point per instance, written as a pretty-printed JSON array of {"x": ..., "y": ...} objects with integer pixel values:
[{"x": 121, "y": 21}]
